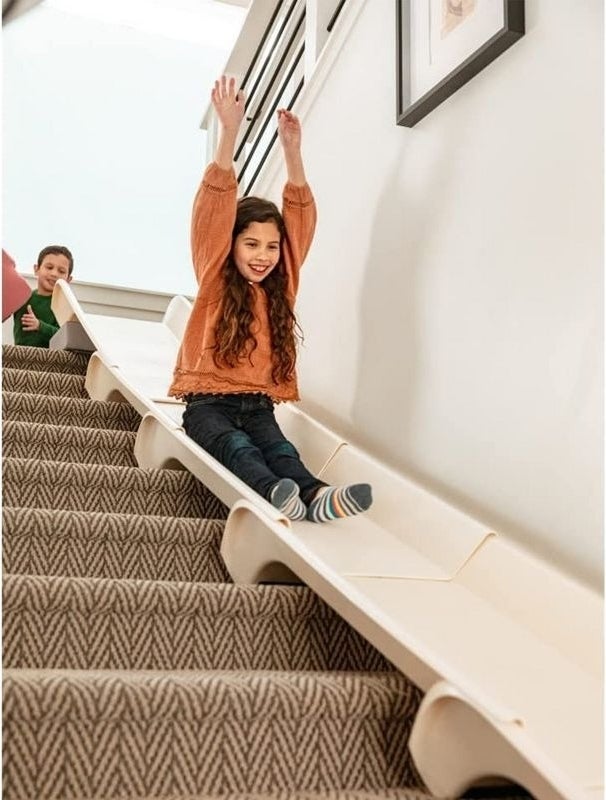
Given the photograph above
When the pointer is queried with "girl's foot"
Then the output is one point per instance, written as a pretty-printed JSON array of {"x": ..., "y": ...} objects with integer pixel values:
[
  {"x": 285, "y": 497},
  {"x": 332, "y": 502}
]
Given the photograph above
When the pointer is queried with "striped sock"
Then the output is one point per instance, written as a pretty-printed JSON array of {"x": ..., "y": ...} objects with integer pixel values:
[
  {"x": 285, "y": 497},
  {"x": 336, "y": 502}
]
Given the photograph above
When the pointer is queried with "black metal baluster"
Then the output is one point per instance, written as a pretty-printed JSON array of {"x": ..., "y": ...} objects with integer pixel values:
[
  {"x": 285, "y": 22},
  {"x": 334, "y": 17},
  {"x": 273, "y": 139},
  {"x": 270, "y": 85},
  {"x": 266, "y": 33}
]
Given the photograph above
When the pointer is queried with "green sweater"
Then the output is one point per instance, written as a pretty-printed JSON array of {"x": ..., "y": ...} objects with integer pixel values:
[{"x": 41, "y": 306}]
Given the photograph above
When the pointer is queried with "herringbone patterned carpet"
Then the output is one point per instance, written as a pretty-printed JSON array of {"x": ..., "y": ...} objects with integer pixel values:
[{"x": 134, "y": 669}]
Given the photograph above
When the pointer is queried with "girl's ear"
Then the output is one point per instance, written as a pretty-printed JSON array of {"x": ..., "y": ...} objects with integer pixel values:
[
  {"x": 36, "y": 268},
  {"x": 69, "y": 279}
]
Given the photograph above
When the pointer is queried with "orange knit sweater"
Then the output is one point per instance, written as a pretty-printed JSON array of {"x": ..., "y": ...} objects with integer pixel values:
[{"x": 213, "y": 220}]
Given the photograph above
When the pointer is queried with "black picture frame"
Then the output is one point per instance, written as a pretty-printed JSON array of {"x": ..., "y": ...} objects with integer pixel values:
[{"x": 409, "y": 113}]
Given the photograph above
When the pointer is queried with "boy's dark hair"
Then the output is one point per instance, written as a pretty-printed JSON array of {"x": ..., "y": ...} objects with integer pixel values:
[{"x": 56, "y": 250}]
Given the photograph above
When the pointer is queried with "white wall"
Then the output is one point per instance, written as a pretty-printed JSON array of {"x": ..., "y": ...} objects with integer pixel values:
[
  {"x": 102, "y": 149},
  {"x": 452, "y": 302}
]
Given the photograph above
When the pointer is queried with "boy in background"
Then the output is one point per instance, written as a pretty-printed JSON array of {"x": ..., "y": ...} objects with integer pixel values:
[{"x": 35, "y": 323}]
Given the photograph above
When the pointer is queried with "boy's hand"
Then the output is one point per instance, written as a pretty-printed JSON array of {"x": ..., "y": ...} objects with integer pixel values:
[
  {"x": 228, "y": 103},
  {"x": 289, "y": 129},
  {"x": 29, "y": 321}
]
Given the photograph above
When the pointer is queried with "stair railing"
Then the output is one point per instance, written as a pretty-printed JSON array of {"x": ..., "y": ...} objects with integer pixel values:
[{"x": 288, "y": 37}]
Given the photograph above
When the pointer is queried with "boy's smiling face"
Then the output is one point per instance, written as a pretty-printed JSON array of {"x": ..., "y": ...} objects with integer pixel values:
[{"x": 53, "y": 267}]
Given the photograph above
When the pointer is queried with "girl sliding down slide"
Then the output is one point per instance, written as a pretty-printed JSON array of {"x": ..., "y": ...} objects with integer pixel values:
[{"x": 238, "y": 353}]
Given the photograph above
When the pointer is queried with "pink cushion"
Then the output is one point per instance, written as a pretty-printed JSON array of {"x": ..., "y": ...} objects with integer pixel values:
[{"x": 15, "y": 290}]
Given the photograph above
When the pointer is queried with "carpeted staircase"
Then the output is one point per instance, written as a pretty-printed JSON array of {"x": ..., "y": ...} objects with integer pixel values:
[{"x": 134, "y": 668}]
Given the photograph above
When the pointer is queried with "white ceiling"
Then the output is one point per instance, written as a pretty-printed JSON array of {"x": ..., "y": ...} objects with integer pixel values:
[{"x": 199, "y": 21}]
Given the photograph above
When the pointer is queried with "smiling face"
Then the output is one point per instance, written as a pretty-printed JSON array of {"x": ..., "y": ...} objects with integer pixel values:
[
  {"x": 53, "y": 267},
  {"x": 257, "y": 250}
]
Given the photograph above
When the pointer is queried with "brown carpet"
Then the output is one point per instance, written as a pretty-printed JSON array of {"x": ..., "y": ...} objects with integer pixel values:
[
  {"x": 30, "y": 483},
  {"x": 44, "y": 541},
  {"x": 84, "y": 413},
  {"x": 60, "y": 384},
  {"x": 68, "y": 443}
]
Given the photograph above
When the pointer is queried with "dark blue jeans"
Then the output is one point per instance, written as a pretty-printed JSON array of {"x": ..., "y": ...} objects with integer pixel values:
[{"x": 240, "y": 431}]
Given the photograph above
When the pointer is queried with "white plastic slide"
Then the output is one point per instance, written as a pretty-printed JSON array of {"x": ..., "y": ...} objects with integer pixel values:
[{"x": 507, "y": 648}]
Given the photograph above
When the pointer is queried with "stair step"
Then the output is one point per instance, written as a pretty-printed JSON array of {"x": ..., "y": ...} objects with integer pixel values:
[
  {"x": 42, "y": 359},
  {"x": 95, "y": 623},
  {"x": 154, "y": 734},
  {"x": 498, "y": 791},
  {"x": 54, "y": 410},
  {"x": 68, "y": 443},
  {"x": 31, "y": 483},
  {"x": 56, "y": 383},
  {"x": 378, "y": 794},
  {"x": 40, "y": 541}
]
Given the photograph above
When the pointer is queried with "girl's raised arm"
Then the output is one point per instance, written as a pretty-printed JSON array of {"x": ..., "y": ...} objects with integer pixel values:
[
  {"x": 214, "y": 210},
  {"x": 229, "y": 106},
  {"x": 298, "y": 205},
  {"x": 289, "y": 131}
]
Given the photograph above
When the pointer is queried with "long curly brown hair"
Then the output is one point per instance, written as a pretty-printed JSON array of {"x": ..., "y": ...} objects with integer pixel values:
[{"x": 233, "y": 336}]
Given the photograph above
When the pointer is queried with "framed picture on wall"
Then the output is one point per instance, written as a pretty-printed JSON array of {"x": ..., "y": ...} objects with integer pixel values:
[{"x": 442, "y": 44}]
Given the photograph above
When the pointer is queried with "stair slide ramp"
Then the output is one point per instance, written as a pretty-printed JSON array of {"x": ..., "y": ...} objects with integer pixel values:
[{"x": 506, "y": 647}]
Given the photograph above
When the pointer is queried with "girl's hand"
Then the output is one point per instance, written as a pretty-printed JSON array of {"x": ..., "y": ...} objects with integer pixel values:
[
  {"x": 289, "y": 130},
  {"x": 228, "y": 103},
  {"x": 29, "y": 321}
]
